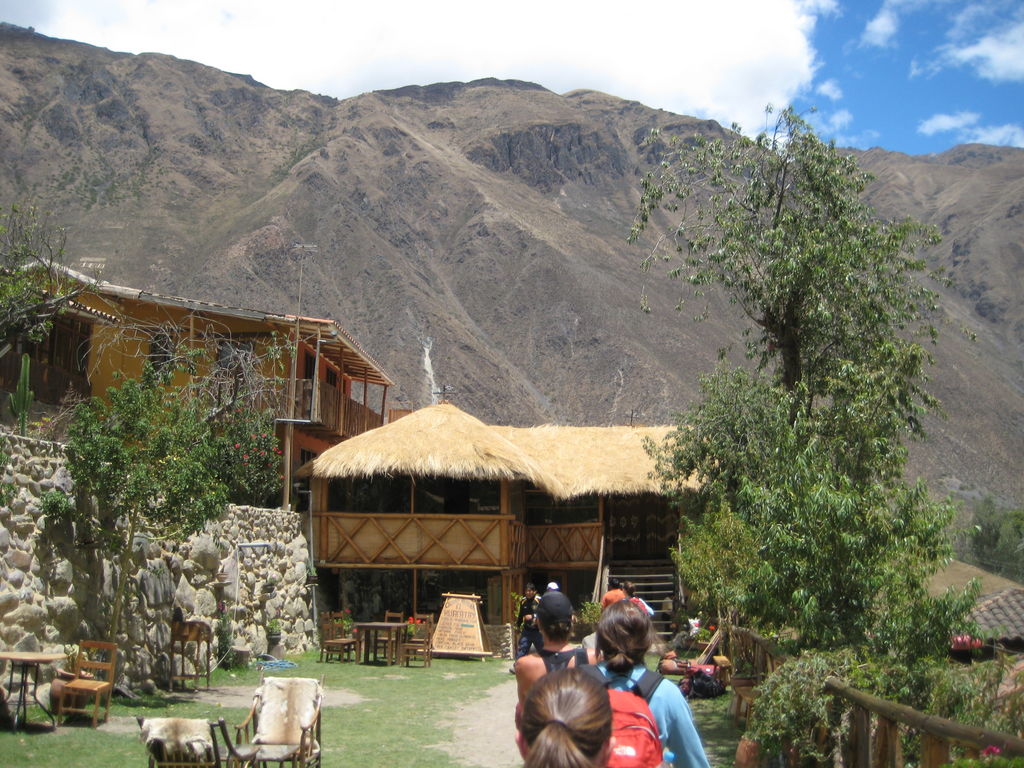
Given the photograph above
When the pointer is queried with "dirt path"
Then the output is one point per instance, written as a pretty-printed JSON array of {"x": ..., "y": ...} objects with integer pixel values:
[{"x": 484, "y": 729}]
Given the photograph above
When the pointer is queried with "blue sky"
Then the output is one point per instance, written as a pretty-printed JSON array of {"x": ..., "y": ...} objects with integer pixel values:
[{"x": 914, "y": 76}]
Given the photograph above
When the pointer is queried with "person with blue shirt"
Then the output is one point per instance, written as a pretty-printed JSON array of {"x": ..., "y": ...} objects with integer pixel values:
[{"x": 624, "y": 634}]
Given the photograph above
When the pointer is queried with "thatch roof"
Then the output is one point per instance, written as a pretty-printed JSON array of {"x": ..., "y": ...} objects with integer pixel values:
[
  {"x": 592, "y": 460},
  {"x": 439, "y": 440}
]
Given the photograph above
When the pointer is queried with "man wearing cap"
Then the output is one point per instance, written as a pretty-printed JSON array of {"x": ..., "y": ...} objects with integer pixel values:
[
  {"x": 529, "y": 635},
  {"x": 554, "y": 617},
  {"x": 552, "y": 586}
]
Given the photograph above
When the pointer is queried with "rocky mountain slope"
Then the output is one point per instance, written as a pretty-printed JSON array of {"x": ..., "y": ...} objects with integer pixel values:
[{"x": 469, "y": 235}]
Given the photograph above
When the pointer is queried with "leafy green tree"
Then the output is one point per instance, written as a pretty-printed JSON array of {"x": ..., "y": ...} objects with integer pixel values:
[
  {"x": 147, "y": 458},
  {"x": 250, "y": 459},
  {"x": 34, "y": 287},
  {"x": 808, "y": 448},
  {"x": 998, "y": 539}
]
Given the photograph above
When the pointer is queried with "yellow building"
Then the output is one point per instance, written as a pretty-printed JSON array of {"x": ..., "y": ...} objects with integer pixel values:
[{"x": 322, "y": 385}]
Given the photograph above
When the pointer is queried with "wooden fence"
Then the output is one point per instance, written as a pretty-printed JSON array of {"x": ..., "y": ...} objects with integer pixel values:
[
  {"x": 877, "y": 725},
  {"x": 875, "y": 733}
]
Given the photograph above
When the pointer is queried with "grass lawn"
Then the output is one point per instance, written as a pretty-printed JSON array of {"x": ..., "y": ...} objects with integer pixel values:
[{"x": 404, "y": 713}]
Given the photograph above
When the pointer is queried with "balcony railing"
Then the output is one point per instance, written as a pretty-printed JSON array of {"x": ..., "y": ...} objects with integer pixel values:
[
  {"x": 576, "y": 543},
  {"x": 359, "y": 419},
  {"x": 325, "y": 412},
  {"x": 357, "y": 540}
]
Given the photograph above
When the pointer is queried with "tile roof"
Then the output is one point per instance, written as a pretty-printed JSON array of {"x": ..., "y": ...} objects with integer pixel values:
[{"x": 1001, "y": 615}]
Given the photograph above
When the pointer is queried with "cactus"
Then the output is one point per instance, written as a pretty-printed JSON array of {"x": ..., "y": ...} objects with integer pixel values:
[{"x": 22, "y": 396}]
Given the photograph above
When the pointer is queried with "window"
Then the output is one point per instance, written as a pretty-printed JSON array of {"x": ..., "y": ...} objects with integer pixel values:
[
  {"x": 443, "y": 495},
  {"x": 379, "y": 494},
  {"x": 233, "y": 354},
  {"x": 309, "y": 366},
  {"x": 161, "y": 349},
  {"x": 332, "y": 377}
]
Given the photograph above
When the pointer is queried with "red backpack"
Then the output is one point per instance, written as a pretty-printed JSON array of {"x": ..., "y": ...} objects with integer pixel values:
[{"x": 637, "y": 744}]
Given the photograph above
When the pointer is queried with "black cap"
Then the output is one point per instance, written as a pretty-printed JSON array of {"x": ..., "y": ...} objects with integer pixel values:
[{"x": 554, "y": 607}]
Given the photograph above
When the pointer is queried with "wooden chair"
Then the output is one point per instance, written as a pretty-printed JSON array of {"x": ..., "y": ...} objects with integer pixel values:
[
  {"x": 283, "y": 725},
  {"x": 419, "y": 643},
  {"x": 77, "y": 692},
  {"x": 387, "y": 643},
  {"x": 334, "y": 641},
  {"x": 175, "y": 742}
]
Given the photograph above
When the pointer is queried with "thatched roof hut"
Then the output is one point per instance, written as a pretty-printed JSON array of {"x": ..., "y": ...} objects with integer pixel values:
[
  {"x": 439, "y": 440},
  {"x": 604, "y": 461}
]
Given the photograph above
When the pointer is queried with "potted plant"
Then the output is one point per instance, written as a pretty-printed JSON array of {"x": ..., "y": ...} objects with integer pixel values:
[
  {"x": 273, "y": 632},
  {"x": 587, "y": 618},
  {"x": 311, "y": 574},
  {"x": 269, "y": 586}
]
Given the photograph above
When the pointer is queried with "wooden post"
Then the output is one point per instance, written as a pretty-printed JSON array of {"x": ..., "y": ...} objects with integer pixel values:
[
  {"x": 415, "y": 597},
  {"x": 366, "y": 400},
  {"x": 859, "y": 749},
  {"x": 888, "y": 752},
  {"x": 383, "y": 402},
  {"x": 934, "y": 751},
  {"x": 289, "y": 428}
]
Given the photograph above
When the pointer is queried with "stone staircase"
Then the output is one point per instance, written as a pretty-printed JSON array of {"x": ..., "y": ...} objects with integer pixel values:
[{"x": 654, "y": 582}]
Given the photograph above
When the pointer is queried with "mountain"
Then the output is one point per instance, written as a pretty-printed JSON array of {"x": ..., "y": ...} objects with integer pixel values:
[{"x": 470, "y": 234}]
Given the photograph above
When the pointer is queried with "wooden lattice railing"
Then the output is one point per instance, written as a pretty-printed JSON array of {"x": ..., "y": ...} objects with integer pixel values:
[
  {"x": 353, "y": 540},
  {"x": 577, "y": 543}
]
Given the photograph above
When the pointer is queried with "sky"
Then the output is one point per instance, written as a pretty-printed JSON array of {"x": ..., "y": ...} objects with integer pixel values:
[{"x": 914, "y": 76}]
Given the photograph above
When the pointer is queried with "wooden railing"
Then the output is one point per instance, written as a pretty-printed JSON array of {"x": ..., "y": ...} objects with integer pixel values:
[
  {"x": 759, "y": 653},
  {"x": 577, "y": 543},
  {"x": 359, "y": 419},
  {"x": 354, "y": 540},
  {"x": 48, "y": 382},
  {"x": 326, "y": 412},
  {"x": 874, "y": 737},
  {"x": 517, "y": 545}
]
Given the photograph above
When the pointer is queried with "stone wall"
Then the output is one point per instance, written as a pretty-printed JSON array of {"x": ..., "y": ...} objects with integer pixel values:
[{"x": 56, "y": 590}]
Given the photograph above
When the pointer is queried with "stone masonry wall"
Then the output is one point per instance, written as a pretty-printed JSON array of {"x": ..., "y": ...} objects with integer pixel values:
[{"x": 55, "y": 590}]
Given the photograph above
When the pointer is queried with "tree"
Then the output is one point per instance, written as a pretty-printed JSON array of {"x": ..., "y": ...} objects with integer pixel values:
[
  {"x": 808, "y": 448},
  {"x": 147, "y": 457},
  {"x": 34, "y": 287}
]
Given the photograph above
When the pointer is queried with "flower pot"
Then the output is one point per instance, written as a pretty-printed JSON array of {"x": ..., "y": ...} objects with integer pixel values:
[
  {"x": 273, "y": 638},
  {"x": 748, "y": 753}
]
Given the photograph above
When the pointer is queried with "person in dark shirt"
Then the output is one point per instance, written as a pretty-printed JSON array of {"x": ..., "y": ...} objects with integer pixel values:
[{"x": 526, "y": 621}]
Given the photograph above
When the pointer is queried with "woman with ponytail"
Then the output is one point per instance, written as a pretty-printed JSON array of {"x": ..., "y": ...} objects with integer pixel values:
[
  {"x": 566, "y": 722},
  {"x": 624, "y": 635}
]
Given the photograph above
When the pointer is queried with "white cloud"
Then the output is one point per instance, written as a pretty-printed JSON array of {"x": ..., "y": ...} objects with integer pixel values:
[
  {"x": 1008, "y": 135},
  {"x": 881, "y": 29},
  {"x": 830, "y": 89},
  {"x": 942, "y": 123},
  {"x": 965, "y": 126},
  {"x": 722, "y": 60},
  {"x": 998, "y": 56}
]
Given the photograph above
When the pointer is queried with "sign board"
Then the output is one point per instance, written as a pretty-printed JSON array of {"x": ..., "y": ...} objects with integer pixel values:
[{"x": 459, "y": 630}]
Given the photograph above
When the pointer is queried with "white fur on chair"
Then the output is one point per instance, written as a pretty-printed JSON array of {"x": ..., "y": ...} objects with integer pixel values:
[
  {"x": 288, "y": 704},
  {"x": 178, "y": 736}
]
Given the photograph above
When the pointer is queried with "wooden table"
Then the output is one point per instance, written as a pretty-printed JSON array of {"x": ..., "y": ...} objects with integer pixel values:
[
  {"x": 25, "y": 661},
  {"x": 367, "y": 633}
]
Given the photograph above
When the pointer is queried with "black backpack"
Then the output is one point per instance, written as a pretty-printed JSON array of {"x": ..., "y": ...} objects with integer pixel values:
[
  {"x": 704, "y": 686},
  {"x": 560, "y": 659}
]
